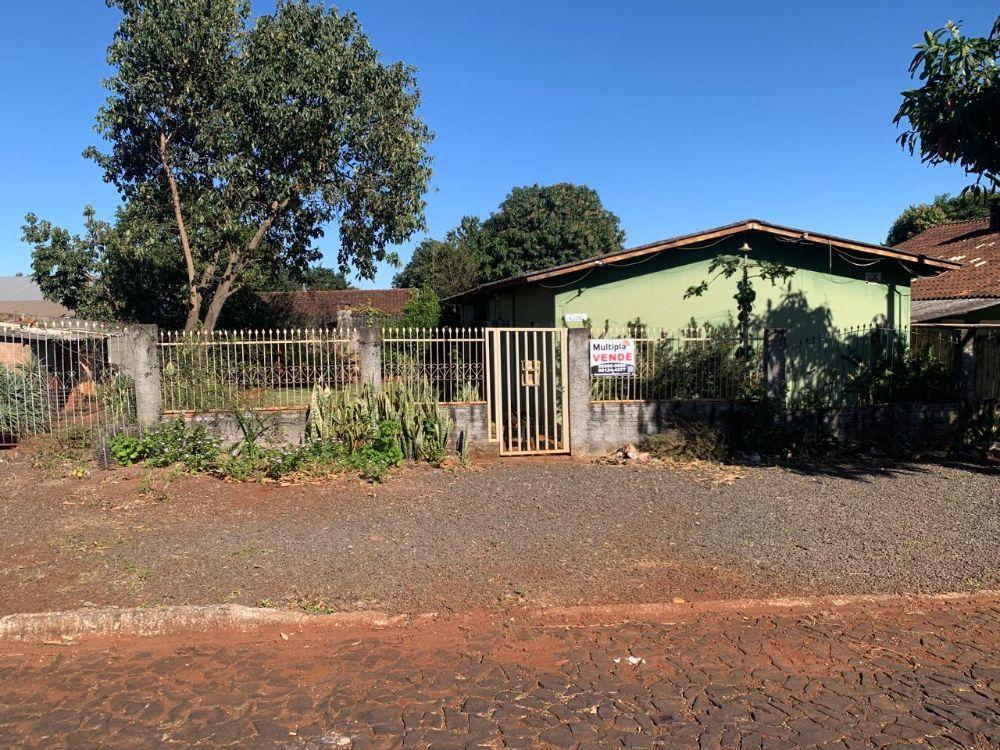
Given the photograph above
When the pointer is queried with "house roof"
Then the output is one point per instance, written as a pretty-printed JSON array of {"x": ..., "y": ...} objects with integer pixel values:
[
  {"x": 21, "y": 295},
  {"x": 923, "y": 262},
  {"x": 971, "y": 244},
  {"x": 927, "y": 310},
  {"x": 321, "y": 307}
]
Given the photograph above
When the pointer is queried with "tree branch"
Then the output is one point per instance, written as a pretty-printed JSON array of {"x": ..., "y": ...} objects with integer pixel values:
[{"x": 194, "y": 294}]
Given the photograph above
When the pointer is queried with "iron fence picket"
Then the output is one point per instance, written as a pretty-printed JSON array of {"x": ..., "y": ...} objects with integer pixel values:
[{"x": 254, "y": 369}]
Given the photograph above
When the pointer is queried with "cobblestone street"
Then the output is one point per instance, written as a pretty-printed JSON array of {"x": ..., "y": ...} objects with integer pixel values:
[{"x": 893, "y": 674}]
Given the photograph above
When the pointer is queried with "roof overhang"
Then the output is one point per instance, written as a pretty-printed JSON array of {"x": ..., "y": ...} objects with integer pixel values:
[
  {"x": 922, "y": 263},
  {"x": 927, "y": 310}
]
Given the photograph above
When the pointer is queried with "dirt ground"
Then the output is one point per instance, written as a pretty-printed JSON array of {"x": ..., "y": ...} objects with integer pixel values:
[{"x": 507, "y": 533}]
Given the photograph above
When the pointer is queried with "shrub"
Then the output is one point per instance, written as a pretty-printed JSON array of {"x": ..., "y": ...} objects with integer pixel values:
[
  {"x": 898, "y": 374},
  {"x": 168, "y": 444},
  {"x": 24, "y": 400},
  {"x": 125, "y": 450},
  {"x": 377, "y": 457}
]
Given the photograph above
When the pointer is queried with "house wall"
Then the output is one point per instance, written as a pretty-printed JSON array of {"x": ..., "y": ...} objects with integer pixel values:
[
  {"x": 824, "y": 293},
  {"x": 827, "y": 291},
  {"x": 529, "y": 305}
]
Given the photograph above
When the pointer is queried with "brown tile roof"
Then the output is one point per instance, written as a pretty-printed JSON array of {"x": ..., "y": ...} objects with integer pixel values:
[
  {"x": 321, "y": 308},
  {"x": 971, "y": 243}
]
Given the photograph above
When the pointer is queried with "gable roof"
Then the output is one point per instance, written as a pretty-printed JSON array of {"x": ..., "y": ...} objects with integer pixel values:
[
  {"x": 973, "y": 246},
  {"x": 321, "y": 307},
  {"x": 923, "y": 262}
]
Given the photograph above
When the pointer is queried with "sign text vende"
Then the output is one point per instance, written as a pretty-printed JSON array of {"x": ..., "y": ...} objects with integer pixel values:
[{"x": 610, "y": 357}]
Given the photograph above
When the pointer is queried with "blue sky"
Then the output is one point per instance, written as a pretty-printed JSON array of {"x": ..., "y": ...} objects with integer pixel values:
[{"x": 681, "y": 115}]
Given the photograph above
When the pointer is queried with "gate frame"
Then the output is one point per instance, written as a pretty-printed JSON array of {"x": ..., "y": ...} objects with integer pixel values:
[{"x": 497, "y": 410}]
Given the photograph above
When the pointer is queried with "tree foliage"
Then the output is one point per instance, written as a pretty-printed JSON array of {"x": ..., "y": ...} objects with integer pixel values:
[
  {"x": 535, "y": 227},
  {"x": 122, "y": 271},
  {"x": 247, "y": 139},
  {"x": 952, "y": 117},
  {"x": 541, "y": 226},
  {"x": 422, "y": 310},
  {"x": 449, "y": 266},
  {"x": 944, "y": 208}
]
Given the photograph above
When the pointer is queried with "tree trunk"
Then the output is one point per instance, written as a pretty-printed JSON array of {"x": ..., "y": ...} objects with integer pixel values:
[
  {"x": 194, "y": 295},
  {"x": 222, "y": 293}
]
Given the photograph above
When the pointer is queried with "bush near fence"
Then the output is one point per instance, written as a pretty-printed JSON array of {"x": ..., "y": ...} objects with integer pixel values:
[
  {"x": 871, "y": 365},
  {"x": 708, "y": 362}
]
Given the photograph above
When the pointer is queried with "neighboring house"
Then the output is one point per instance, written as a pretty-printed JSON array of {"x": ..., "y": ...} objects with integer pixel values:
[
  {"x": 838, "y": 283},
  {"x": 20, "y": 295},
  {"x": 971, "y": 293},
  {"x": 323, "y": 308}
]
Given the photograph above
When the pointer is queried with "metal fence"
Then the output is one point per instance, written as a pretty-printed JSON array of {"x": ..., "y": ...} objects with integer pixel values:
[
  {"x": 254, "y": 369},
  {"x": 451, "y": 360},
  {"x": 62, "y": 374},
  {"x": 697, "y": 363},
  {"x": 871, "y": 365}
]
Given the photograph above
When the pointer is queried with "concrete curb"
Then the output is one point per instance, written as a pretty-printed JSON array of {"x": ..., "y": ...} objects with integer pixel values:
[
  {"x": 607, "y": 614},
  {"x": 72, "y": 624}
]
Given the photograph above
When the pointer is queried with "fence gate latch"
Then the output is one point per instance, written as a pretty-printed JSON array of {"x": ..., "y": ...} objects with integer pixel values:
[{"x": 530, "y": 369}]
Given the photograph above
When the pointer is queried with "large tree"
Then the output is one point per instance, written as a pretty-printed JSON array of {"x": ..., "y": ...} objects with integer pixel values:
[
  {"x": 540, "y": 226},
  {"x": 944, "y": 208},
  {"x": 252, "y": 136},
  {"x": 449, "y": 266},
  {"x": 952, "y": 117}
]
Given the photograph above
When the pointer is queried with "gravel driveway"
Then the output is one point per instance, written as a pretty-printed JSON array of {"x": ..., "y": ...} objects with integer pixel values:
[{"x": 518, "y": 531}]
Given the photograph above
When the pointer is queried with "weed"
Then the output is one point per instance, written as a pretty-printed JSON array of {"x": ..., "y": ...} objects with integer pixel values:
[
  {"x": 140, "y": 572},
  {"x": 314, "y": 605}
]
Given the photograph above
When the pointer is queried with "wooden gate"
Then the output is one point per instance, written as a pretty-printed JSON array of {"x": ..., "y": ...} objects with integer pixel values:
[{"x": 527, "y": 390}]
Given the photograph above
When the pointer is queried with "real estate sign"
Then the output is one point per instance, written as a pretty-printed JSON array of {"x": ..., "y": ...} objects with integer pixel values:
[{"x": 610, "y": 357}]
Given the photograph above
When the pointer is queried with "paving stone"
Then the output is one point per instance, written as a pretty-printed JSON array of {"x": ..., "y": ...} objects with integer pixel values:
[{"x": 770, "y": 681}]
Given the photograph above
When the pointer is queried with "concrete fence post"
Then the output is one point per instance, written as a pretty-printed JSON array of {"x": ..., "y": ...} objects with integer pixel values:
[
  {"x": 345, "y": 320},
  {"x": 578, "y": 369},
  {"x": 370, "y": 354},
  {"x": 964, "y": 370},
  {"x": 135, "y": 353},
  {"x": 775, "y": 356}
]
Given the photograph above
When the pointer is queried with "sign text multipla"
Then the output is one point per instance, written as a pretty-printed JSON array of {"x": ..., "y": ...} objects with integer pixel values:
[{"x": 610, "y": 357}]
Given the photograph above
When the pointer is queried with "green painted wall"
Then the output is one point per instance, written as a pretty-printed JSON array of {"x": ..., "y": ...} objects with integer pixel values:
[{"x": 826, "y": 292}]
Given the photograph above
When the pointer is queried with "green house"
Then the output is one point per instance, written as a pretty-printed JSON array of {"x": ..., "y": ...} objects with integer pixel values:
[{"x": 838, "y": 284}]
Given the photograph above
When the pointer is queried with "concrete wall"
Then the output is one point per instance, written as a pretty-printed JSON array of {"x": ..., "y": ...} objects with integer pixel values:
[
  {"x": 472, "y": 419},
  {"x": 611, "y": 425},
  {"x": 290, "y": 426},
  {"x": 921, "y": 424}
]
